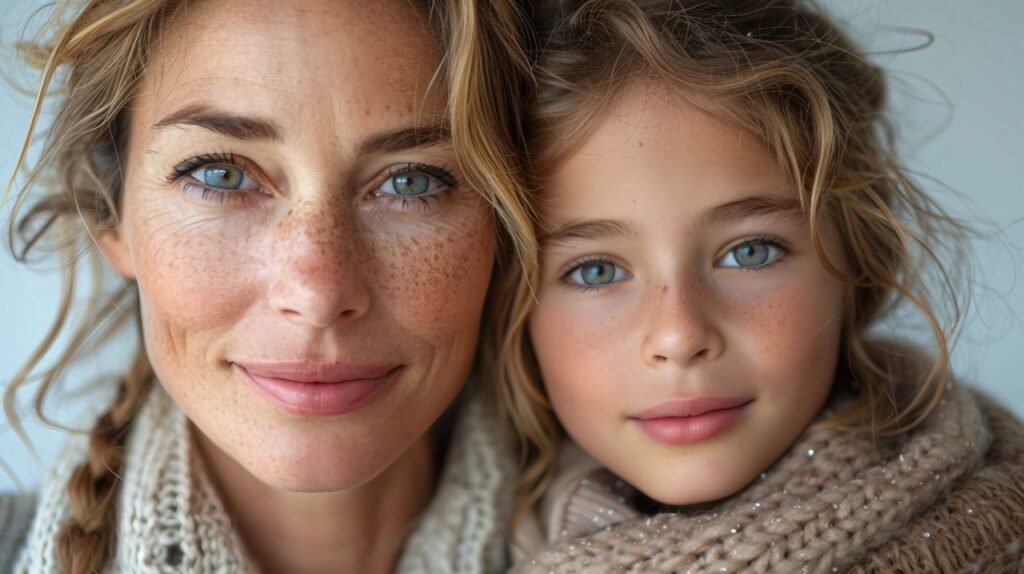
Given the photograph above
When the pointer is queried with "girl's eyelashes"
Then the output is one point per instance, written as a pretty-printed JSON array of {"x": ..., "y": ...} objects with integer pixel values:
[
  {"x": 217, "y": 177},
  {"x": 594, "y": 273},
  {"x": 415, "y": 186},
  {"x": 753, "y": 254}
]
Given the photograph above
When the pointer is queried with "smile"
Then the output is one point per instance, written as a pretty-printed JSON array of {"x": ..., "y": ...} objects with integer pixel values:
[
  {"x": 317, "y": 390},
  {"x": 687, "y": 421}
]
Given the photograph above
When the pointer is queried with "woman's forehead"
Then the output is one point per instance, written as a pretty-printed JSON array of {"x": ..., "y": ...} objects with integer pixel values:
[{"x": 319, "y": 65}]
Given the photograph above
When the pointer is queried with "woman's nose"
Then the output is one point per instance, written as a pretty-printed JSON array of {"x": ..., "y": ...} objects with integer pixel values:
[
  {"x": 319, "y": 276},
  {"x": 681, "y": 326}
]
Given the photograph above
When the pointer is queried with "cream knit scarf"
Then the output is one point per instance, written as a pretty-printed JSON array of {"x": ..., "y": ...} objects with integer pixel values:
[
  {"x": 171, "y": 519},
  {"x": 831, "y": 500}
]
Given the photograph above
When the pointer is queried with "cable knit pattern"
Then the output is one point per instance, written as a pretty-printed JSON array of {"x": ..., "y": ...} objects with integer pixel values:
[
  {"x": 839, "y": 500},
  {"x": 462, "y": 530},
  {"x": 171, "y": 519}
]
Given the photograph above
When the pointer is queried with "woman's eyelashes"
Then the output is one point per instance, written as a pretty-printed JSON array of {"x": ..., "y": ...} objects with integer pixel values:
[
  {"x": 217, "y": 177},
  {"x": 415, "y": 186},
  {"x": 222, "y": 178},
  {"x": 753, "y": 254}
]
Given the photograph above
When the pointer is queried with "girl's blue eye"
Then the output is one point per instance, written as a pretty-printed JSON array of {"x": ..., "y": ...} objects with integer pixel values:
[
  {"x": 751, "y": 255},
  {"x": 596, "y": 274},
  {"x": 223, "y": 176}
]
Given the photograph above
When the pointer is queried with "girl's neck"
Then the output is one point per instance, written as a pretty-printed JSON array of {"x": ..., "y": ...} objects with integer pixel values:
[{"x": 358, "y": 530}]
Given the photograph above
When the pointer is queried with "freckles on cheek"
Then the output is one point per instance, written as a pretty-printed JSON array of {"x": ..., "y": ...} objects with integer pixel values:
[
  {"x": 794, "y": 336},
  {"x": 191, "y": 273},
  {"x": 439, "y": 280}
]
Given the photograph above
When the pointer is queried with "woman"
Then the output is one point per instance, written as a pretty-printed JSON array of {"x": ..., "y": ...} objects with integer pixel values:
[{"x": 301, "y": 199}]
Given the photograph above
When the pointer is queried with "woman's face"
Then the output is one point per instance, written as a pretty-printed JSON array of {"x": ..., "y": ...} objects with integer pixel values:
[
  {"x": 686, "y": 330},
  {"x": 310, "y": 266}
]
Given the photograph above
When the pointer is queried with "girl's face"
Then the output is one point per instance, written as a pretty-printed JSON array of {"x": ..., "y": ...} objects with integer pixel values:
[
  {"x": 686, "y": 331},
  {"x": 311, "y": 268}
]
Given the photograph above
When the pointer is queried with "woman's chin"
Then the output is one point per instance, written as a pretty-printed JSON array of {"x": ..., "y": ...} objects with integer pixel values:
[{"x": 298, "y": 461}]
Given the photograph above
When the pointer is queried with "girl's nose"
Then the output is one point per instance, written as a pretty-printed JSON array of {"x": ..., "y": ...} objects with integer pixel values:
[
  {"x": 319, "y": 276},
  {"x": 681, "y": 328}
]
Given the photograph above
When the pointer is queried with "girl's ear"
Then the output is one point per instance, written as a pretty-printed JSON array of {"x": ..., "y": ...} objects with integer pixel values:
[{"x": 115, "y": 248}]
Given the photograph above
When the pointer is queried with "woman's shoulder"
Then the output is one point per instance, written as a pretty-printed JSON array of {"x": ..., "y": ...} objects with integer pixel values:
[{"x": 16, "y": 513}]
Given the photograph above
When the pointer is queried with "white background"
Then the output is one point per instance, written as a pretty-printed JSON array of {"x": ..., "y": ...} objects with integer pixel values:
[{"x": 959, "y": 104}]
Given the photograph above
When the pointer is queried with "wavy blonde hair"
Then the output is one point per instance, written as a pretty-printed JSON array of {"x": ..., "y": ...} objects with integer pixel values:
[
  {"x": 92, "y": 55},
  {"x": 782, "y": 71}
]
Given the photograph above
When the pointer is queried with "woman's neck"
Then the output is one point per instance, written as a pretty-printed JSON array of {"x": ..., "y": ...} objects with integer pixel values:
[{"x": 357, "y": 530}]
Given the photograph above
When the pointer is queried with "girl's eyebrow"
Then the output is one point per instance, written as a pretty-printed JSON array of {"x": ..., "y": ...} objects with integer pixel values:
[
  {"x": 588, "y": 229},
  {"x": 756, "y": 206}
]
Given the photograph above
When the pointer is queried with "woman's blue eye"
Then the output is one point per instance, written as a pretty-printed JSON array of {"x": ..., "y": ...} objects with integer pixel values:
[
  {"x": 426, "y": 184},
  {"x": 410, "y": 183},
  {"x": 751, "y": 254},
  {"x": 223, "y": 176},
  {"x": 596, "y": 273}
]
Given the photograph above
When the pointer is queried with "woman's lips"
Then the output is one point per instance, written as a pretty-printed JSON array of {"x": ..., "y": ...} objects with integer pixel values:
[
  {"x": 685, "y": 421},
  {"x": 310, "y": 389}
]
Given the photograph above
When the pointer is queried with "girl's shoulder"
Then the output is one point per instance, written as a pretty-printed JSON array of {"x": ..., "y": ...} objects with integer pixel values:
[
  {"x": 949, "y": 493},
  {"x": 16, "y": 513}
]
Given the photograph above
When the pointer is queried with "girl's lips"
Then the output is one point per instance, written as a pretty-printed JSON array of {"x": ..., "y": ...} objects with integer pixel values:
[
  {"x": 689, "y": 421},
  {"x": 317, "y": 390}
]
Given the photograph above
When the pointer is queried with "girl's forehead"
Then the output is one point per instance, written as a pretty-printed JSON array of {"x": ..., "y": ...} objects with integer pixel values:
[
  {"x": 653, "y": 145},
  {"x": 314, "y": 65}
]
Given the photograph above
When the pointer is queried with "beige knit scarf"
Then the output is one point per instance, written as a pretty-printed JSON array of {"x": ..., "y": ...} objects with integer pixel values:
[
  {"x": 834, "y": 497},
  {"x": 171, "y": 519}
]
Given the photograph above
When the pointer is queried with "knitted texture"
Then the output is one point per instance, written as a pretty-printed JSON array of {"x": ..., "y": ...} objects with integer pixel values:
[
  {"x": 938, "y": 499},
  {"x": 462, "y": 530},
  {"x": 171, "y": 518},
  {"x": 15, "y": 516}
]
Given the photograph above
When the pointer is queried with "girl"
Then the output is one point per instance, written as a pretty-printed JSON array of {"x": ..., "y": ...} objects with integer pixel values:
[
  {"x": 298, "y": 198},
  {"x": 722, "y": 225}
]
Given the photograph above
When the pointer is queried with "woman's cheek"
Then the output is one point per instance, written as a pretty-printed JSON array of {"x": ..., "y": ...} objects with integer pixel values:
[
  {"x": 437, "y": 278},
  {"x": 195, "y": 270}
]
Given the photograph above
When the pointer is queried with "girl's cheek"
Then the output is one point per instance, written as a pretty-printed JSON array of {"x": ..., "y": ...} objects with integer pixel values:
[
  {"x": 575, "y": 334},
  {"x": 792, "y": 332}
]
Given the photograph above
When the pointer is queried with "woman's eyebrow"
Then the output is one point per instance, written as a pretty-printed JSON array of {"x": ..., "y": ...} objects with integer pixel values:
[
  {"x": 588, "y": 229},
  {"x": 405, "y": 138},
  {"x": 224, "y": 123},
  {"x": 756, "y": 206}
]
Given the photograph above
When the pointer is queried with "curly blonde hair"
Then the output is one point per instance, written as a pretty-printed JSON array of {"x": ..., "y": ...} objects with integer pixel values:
[
  {"x": 782, "y": 71},
  {"x": 92, "y": 55}
]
